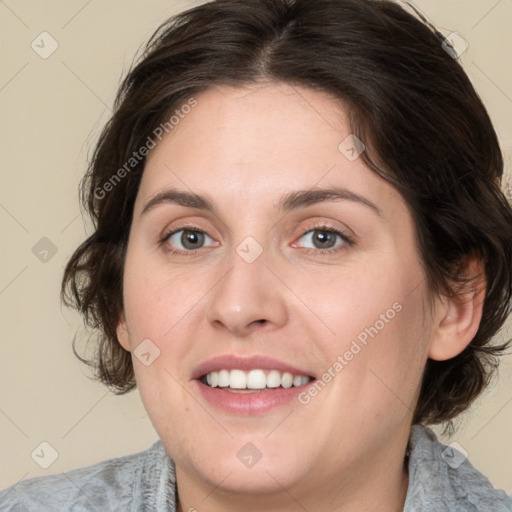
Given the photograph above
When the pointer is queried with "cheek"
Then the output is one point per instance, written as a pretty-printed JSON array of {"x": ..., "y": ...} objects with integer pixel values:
[
  {"x": 398, "y": 349},
  {"x": 157, "y": 308},
  {"x": 379, "y": 346},
  {"x": 360, "y": 304},
  {"x": 155, "y": 299}
]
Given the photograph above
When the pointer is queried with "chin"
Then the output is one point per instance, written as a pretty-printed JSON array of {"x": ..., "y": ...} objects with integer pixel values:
[
  {"x": 243, "y": 466},
  {"x": 260, "y": 479}
]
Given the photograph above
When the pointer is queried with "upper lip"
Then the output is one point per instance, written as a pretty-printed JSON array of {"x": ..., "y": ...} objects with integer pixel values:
[{"x": 232, "y": 361}]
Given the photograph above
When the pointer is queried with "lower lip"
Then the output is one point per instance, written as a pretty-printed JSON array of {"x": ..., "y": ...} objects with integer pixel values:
[{"x": 249, "y": 403}]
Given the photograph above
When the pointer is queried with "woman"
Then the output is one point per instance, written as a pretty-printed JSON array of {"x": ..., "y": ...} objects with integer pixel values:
[{"x": 301, "y": 256}]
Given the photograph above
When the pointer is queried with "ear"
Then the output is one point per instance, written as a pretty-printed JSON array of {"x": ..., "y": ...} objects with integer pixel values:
[
  {"x": 122, "y": 332},
  {"x": 458, "y": 316}
]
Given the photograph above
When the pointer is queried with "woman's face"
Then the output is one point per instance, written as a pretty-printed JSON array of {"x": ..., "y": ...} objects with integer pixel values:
[{"x": 242, "y": 268}]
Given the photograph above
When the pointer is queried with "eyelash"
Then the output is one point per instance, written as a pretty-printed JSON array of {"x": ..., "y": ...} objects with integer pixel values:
[{"x": 348, "y": 241}]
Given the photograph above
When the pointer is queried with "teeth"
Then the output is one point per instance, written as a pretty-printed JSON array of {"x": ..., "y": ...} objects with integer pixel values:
[
  {"x": 273, "y": 379},
  {"x": 224, "y": 379},
  {"x": 237, "y": 379},
  {"x": 287, "y": 380},
  {"x": 254, "y": 379}
]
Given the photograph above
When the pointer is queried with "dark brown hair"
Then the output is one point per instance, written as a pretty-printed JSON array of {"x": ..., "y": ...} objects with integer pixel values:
[{"x": 425, "y": 128}]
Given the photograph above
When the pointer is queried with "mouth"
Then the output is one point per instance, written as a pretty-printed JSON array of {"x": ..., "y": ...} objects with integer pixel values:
[{"x": 249, "y": 385}]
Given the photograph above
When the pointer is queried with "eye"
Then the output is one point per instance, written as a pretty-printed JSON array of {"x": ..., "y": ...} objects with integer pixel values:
[
  {"x": 325, "y": 239},
  {"x": 186, "y": 240}
]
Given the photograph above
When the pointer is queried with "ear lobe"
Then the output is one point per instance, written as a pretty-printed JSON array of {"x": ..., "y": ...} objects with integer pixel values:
[
  {"x": 122, "y": 332},
  {"x": 459, "y": 314}
]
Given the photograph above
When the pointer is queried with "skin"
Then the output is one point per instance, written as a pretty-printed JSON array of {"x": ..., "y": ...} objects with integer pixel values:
[{"x": 245, "y": 148}]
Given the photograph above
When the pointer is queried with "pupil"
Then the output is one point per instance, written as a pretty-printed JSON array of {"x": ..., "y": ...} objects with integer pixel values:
[
  {"x": 323, "y": 238},
  {"x": 190, "y": 239}
]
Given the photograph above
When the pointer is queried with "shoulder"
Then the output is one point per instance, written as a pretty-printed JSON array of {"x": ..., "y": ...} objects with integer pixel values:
[
  {"x": 113, "y": 484},
  {"x": 441, "y": 478}
]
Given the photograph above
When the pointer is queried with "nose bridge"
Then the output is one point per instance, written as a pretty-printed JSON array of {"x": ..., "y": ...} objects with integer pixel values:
[{"x": 248, "y": 294}]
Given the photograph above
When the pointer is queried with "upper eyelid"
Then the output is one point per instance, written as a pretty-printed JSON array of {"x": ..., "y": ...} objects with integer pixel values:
[
  {"x": 189, "y": 227},
  {"x": 346, "y": 237}
]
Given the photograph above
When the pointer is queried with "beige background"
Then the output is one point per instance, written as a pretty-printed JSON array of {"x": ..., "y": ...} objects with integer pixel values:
[{"x": 51, "y": 113}]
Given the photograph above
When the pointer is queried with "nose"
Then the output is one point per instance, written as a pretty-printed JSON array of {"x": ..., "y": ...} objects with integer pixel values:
[{"x": 248, "y": 298}]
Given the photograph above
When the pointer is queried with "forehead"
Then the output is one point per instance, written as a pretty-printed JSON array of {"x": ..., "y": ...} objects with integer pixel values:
[
  {"x": 272, "y": 120},
  {"x": 253, "y": 144}
]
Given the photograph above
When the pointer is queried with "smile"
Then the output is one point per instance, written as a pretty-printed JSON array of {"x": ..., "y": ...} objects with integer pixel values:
[{"x": 253, "y": 380}]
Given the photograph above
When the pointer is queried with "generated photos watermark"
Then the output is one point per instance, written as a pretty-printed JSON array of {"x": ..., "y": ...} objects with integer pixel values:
[
  {"x": 139, "y": 155},
  {"x": 344, "y": 359}
]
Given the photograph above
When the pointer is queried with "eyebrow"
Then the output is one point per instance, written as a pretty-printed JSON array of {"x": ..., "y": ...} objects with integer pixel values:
[{"x": 291, "y": 201}]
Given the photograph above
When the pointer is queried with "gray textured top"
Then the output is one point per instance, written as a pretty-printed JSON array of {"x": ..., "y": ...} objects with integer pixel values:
[{"x": 145, "y": 482}]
